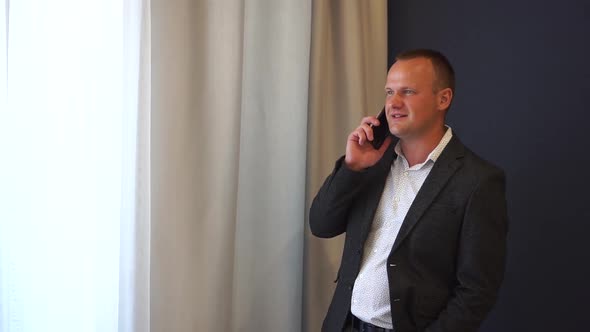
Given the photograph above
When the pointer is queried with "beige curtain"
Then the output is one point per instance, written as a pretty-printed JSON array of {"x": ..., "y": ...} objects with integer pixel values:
[
  {"x": 232, "y": 89},
  {"x": 347, "y": 76},
  {"x": 229, "y": 126}
]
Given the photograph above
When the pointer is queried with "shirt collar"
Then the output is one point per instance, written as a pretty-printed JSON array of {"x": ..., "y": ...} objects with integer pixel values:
[{"x": 434, "y": 154}]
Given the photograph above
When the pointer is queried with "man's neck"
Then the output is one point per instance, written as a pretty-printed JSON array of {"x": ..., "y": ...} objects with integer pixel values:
[{"x": 417, "y": 150}]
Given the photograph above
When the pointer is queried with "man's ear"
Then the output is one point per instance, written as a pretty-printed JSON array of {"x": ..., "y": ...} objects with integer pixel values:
[{"x": 445, "y": 96}]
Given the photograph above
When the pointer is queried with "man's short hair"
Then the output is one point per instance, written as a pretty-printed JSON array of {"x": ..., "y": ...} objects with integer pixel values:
[{"x": 445, "y": 74}]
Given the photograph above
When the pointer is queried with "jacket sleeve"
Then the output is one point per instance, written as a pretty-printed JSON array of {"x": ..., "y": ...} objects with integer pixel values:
[
  {"x": 329, "y": 210},
  {"x": 481, "y": 258}
]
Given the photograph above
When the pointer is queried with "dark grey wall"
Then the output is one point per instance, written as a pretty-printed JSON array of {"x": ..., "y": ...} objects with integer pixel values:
[{"x": 522, "y": 101}]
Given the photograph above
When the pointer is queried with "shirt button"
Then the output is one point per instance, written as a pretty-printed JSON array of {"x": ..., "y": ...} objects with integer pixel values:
[
  {"x": 397, "y": 199},
  {"x": 406, "y": 173}
]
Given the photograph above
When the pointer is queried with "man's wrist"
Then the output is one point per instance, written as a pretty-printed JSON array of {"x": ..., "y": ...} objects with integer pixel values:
[{"x": 352, "y": 167}]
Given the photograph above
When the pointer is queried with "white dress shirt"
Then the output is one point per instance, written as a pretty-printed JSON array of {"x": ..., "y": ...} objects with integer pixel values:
[{"x": 370, "y": 296}]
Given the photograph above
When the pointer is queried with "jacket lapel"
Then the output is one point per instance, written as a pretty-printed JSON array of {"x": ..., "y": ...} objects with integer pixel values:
[{"x": 446, "y": 165}]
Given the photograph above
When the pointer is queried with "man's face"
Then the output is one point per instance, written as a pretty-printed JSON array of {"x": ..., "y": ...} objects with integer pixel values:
[{"x": 413, "y": 108}]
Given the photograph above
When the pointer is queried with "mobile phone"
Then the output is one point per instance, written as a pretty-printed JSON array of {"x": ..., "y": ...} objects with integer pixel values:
[{"x": 381, "y": 131}]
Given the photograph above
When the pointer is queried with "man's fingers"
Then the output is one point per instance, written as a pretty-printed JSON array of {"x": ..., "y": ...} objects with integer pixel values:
[
  {"x": 368, "y": 131},
  {"x": 360, "y": 133},
  {"x": 370, "y": 120},
  {"x": 364, "y": 132}
]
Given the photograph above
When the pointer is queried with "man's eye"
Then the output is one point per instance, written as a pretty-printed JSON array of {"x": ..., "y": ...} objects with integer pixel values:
[
  {"x": 409, "y": 92},
  {"x": 389, "y": 92}
]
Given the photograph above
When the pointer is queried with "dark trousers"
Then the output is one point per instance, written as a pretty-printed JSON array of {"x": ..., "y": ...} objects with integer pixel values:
[{"x": 356, "y": 325}]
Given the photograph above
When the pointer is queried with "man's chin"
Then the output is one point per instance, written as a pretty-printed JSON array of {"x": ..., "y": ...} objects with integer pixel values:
[{"x": 397, "y": 133}]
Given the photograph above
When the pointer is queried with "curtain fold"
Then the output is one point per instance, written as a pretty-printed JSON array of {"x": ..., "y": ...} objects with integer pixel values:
[
  {"x": 271, "y": 189},
  {"x": 229, "y": 117},
  {"x": 134, "y": 260},
  {"x": 196, "y": 98},
  {"x": 347, "y": 75}
]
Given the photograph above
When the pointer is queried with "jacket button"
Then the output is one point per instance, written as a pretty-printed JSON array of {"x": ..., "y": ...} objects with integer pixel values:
[
  {"x": 349, "y": 287},
  {"x": 358, "y": 251}
]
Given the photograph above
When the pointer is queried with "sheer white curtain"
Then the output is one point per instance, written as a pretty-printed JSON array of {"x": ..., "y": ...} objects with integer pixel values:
[{"x": 74, "y": 165}]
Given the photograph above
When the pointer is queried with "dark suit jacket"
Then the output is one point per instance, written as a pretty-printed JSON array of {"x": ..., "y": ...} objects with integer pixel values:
[{"x": 447, "y": 262}]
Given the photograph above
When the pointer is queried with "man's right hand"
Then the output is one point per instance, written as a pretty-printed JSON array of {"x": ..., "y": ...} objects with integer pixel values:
[{"x": 360, "y": 153}]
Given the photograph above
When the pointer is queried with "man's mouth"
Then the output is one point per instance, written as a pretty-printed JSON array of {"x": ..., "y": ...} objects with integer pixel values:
[{"x": 398, "y": 116}]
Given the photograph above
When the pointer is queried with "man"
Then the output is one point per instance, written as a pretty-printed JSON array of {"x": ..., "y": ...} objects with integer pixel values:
[{"x": 425, "y": 218}]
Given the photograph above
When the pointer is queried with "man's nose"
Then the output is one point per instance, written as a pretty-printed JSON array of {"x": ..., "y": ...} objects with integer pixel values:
[{"x": 394, "y": 101}]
